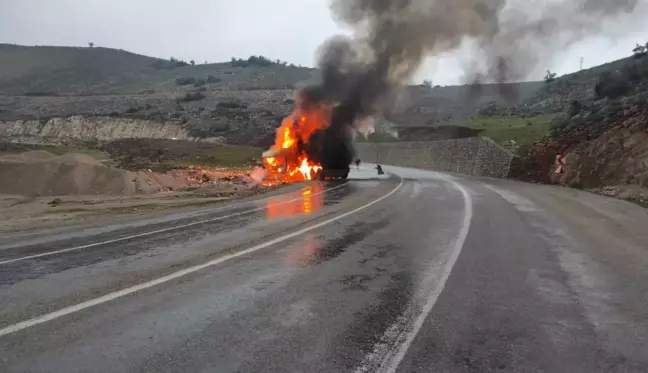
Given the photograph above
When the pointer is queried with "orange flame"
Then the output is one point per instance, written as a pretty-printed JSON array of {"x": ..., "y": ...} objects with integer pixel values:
[{"x": 292, "y": 163}]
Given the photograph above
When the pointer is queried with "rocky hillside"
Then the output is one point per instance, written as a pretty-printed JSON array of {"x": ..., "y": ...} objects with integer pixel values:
[
  {"x": 603, "y": 134},
  {"x": 239, "y": 102}
]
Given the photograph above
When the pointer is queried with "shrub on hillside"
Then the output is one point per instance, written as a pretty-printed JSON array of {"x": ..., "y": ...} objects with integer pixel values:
[
  {"x": 172, "y": 63},
  {"x": 213, "y": 79},
  {"x": 238, "y": 62},
  {"x": 209, "y": 128},
  {"x": 231, "y": 105},
  {"x": 192, "y": 96},
  {"x": 549, "y": 77},
  {"x": 640, "y": 50},
  {"x": 177, "y": 62},
  {"x": 259, "y": 61},
  {"x": 558, "y": 124},
  {"x": 612, "y": 85},
  {"x": 185, "y": 80},
  {"x": 574, "y": 108}
]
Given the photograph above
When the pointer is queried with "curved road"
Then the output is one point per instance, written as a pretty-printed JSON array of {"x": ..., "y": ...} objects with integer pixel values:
[{"x": 415, "y": 271}]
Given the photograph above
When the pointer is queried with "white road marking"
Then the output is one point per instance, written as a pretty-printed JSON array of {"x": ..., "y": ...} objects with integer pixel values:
[
  {"x": 76, "y": 248},
  {"x": 520, "y": 203},
  {"x": 130, "y": 290},
  {"x": 388, "y": 355}
]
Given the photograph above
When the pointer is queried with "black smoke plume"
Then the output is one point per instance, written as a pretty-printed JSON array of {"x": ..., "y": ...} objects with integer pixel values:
[{"x": 391, "y": 39}]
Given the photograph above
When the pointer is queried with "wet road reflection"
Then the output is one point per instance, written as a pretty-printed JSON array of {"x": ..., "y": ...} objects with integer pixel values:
[
  {"x": 303, "y": 254},
  {"x": 312, "y": 200}
]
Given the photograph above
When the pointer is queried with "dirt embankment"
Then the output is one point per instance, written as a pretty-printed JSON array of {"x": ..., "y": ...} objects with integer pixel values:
[
  {"x": 40, "y": 190},
  {"x": 39, "y": 173},
  {"x": 608, "y": 157}
]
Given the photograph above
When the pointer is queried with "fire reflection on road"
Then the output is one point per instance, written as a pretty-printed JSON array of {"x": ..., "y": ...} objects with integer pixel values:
[
  {"x": 309, "y": 200},
  {"x": 304, "y": 253}
]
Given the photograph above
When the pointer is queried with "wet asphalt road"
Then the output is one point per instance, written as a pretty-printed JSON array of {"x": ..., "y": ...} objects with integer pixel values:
[{"x": 412, "y": 272}]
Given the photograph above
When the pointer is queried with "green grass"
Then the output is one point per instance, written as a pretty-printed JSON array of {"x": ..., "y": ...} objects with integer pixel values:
[
  {"x": 223, "y": 156},
  {"x": 61, "y": 150},
  {"x": 165, "y": 154},
  {"x": 523, "y": 131}
]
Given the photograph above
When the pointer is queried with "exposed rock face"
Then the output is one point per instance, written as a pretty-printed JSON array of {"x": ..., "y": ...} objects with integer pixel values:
[
  {"x": 608, "y": 156},
  {"x": 618, "y": 157},
  {"x": 102, "y": 128}
]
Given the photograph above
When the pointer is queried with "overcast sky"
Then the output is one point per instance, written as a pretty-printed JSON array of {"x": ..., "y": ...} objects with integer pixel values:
[{"x": 216, "y": 30}]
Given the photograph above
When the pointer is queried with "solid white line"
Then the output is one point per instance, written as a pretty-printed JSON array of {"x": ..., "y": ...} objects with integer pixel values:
[
  {"x": 130, "y": 290},
  {"x": 154, "y": 232},
  {"x": 391, "y": 364}
]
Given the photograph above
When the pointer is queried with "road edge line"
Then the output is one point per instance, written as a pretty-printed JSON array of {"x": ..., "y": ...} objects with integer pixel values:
[{"x": 391, "y": 362}]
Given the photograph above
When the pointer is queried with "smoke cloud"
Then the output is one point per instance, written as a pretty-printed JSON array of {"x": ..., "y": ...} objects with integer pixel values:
[{"x": 392, "y": 38}]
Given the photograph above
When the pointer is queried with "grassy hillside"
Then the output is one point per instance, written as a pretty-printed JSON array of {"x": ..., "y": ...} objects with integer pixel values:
[
  {"x": 75, "y": 71},
  {"x": 61, "y": 70},
  {"x": 524, "y": 131}
]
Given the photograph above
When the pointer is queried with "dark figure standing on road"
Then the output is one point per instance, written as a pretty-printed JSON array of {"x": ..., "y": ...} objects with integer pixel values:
[
  {"x": 380, "y": 170},
  {"x": 357, "y": 163}
]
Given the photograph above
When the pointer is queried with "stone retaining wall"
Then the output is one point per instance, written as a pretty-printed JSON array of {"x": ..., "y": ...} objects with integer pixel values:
[{"x": 477, "y": 156}]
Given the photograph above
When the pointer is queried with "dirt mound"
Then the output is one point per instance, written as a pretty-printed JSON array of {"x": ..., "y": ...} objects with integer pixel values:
[
  {"x": 34, "y": 175},
  {"x": 78, "y": 158},
  {"x": 37, "y": 154},
  {"x": 39, "y": 174},
  {"x": 32, "y": 155}
]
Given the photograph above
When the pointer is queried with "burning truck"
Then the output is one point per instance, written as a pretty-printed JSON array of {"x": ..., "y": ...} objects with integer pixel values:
[{"x": 310, "y": 144}]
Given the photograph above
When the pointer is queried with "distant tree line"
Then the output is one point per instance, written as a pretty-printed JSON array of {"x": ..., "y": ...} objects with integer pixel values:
[
  {"x": 258, "y": 61},
  {"x": 169, "y": 64}
]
